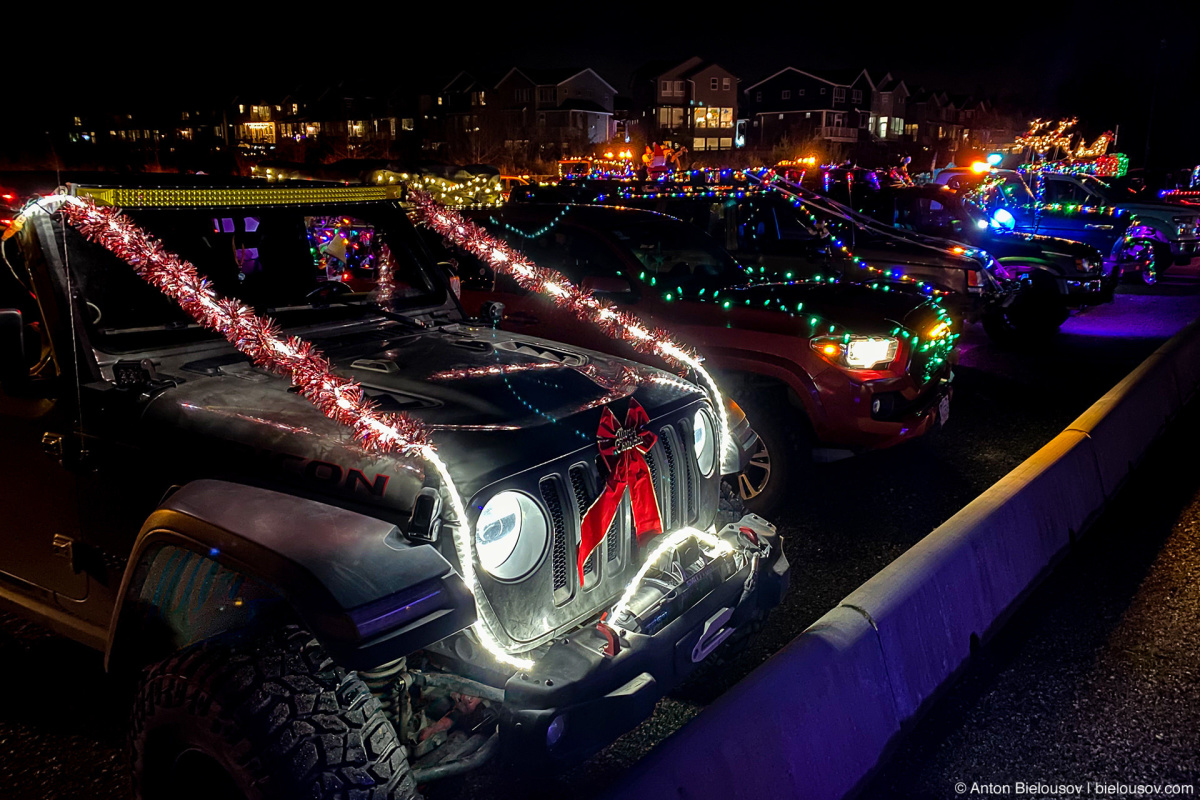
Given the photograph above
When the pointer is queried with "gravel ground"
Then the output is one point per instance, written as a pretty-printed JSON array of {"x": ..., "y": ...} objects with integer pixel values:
[
  {"x": 849, "y": 520},
  {"x": 1097, "y": 678}
]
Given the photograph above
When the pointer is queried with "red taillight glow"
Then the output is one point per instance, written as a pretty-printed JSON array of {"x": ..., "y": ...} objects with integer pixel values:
[{"x": 973, "y": 278}]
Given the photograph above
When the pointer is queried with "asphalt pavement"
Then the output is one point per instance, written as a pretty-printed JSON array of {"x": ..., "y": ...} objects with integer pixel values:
[
  {"x": 62, "y": 721},
  {"x": 1093, "y": 688}
]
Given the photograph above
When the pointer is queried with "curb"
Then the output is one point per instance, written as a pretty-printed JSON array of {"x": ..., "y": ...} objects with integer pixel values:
[{"x": 816, "y": 718}]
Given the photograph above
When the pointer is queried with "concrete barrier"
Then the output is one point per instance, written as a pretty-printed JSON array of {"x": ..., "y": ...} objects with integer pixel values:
[
  {"x": 957, "y": 582},
  {"x": 1184, "y": 354},
  {"x": 1129, "y": 416},
  {"x": 809, "y": 722},
  {"x": 816, "y": 718}
]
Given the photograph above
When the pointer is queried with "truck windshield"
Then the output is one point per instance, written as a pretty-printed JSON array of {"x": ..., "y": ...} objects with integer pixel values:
[
  {"x": 299, "y": 265},
  {"x": 677, "y": 255}
]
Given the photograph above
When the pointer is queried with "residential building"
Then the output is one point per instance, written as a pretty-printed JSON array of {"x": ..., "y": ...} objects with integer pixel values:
[
  {"x": 694, "y": 103},
  {"x": 801, "y": 105}
]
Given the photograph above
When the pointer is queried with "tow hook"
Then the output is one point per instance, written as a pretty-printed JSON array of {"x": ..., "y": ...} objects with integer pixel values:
[
  {"x": 713, "y": 635},
  {"x": 612, "y": 643}
]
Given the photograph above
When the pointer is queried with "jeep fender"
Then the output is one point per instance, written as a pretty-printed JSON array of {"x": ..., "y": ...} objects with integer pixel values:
[{"x": 219, "y": 556}]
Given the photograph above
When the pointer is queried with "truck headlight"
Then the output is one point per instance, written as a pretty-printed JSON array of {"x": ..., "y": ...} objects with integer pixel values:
[
  {"x": 510, "y": 536},
  {"x": 704, "y": 439},
  {"x": 857, "y": 352}
]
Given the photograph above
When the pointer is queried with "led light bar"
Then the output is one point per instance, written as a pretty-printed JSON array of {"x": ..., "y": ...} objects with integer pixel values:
[{"x": 274, "y": 196}]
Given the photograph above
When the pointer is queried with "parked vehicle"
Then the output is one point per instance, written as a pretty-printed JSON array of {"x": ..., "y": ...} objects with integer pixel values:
[
  {"x": 825, "y": 370},
  {"x": 1139, "y": 235},
  {"x": 1061, "y": 274},
  {"x": 297, "y": 603},
  {"x": 791, "y": 233}
]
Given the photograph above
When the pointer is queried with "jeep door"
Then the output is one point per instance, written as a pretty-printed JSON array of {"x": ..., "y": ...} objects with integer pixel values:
[{"x": 39, "y": 512}]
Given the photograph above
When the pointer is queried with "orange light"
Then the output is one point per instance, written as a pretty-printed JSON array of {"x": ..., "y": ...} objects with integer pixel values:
[
  {"x": 980, "y": 167},
  {"x": 958, "y": 250},
  {"x": 939, "y": 330},
  {"x": 831, "y": 350}
]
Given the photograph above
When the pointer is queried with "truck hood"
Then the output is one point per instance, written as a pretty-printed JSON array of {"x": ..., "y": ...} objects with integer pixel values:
[
  {"x": 854, "y": 307},
  {"x": 1158, "y": 210},
  {"x": 1004, "y": 244},
  {"x": 495, "y": 403}
]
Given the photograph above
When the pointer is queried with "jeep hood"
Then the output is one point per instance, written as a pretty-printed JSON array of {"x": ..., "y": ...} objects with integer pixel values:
[{"x": 495, "y": 403}]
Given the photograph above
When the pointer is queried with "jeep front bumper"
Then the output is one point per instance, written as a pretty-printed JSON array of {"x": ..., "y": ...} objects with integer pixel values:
[{"x": 588, "y": 688}]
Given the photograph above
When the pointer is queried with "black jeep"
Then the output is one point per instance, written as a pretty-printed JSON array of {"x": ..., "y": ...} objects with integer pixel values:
[{"x": 296, "y": 605}]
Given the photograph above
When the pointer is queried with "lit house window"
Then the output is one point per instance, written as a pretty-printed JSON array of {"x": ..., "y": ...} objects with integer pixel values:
[
  {"x": 406, "y": 124},
  {"x": 725, "y": 84}
]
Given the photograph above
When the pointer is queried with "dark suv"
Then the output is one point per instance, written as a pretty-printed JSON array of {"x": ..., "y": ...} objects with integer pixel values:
[
  {"x": 312, "y": 618},
  {"x": 825, "y": 370}
]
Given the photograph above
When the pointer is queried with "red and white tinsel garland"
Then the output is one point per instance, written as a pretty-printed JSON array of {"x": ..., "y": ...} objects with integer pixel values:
[
  {"x": 338, "y": 398},
  {"x": 615, "y": 323}
]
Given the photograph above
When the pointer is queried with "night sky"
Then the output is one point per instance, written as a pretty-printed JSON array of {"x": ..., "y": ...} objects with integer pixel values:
[{"x": 1072, "y": 59}]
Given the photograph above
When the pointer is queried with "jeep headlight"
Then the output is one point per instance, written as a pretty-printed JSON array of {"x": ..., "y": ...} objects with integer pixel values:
[
  {"x": 704, "y": 440},
  {"x": 857, "y": 352},
  {"x": 510, "y": 536}
]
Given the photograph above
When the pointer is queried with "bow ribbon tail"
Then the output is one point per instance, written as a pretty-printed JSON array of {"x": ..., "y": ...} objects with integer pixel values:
[
  {"x": 647, "y": 518},
  {"x": 596, "y": 521}
]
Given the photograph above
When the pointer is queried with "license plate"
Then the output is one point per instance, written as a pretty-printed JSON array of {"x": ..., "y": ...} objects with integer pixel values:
[{"x": 943, "y": 410}]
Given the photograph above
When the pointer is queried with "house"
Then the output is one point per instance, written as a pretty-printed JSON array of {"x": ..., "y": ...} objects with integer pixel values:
[
  {"x": 694, "y": 103},
  {"x": 554, "y": 113},
  {"x": 889, "y": 102},
  {"x": 801, "y": 105}
]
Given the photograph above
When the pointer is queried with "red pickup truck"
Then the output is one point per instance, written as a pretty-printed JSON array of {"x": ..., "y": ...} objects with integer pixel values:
[{"x": 823, "y": 371}]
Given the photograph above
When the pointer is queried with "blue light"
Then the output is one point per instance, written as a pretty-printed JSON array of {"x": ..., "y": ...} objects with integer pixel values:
[
  {"x": 1002, "y": 219},
  {"x": 995, "y": 158}
]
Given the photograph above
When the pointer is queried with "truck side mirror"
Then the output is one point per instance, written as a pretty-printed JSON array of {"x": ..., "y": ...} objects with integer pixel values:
[{"x": 13, "y": 365}]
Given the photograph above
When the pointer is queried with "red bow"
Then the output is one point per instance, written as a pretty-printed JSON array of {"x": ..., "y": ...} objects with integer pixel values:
[{"x": 623, "y": 450}]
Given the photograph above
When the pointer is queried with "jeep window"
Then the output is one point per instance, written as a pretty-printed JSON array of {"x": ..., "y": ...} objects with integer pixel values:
[{"x": 269, "y": 258}]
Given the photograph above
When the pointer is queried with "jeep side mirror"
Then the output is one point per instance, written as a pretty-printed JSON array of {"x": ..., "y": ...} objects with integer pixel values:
[
  {"x": 13, "y": 366},
  {"x": 605, "y": 284}
]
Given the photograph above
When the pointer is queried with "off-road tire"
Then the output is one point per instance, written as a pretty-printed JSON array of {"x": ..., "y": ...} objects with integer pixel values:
[
  {"x": 264, "y": 718},
  {"x": 785, "y": 433}
]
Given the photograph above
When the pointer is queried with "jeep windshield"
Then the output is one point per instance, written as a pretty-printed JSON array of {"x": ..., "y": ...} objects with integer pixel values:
[{"x": 300, "y": 265}]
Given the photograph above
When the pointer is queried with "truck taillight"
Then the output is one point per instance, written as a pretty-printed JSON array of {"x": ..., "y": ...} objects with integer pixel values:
[{"x": 973, "y": 279}]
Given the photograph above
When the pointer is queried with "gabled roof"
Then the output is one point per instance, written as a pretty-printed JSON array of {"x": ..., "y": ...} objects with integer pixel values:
[
  {"x": 555, "y": 77},
  {"x": 463, "y": 82},
  {"x": 841, "y": 74}
]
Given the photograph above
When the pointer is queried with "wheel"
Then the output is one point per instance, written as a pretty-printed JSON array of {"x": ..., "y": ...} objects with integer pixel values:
[
  {"x": 782, "y": 457},
  {"x": 263, "y": 718},
  {"x": 1143, "y": 257}
]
